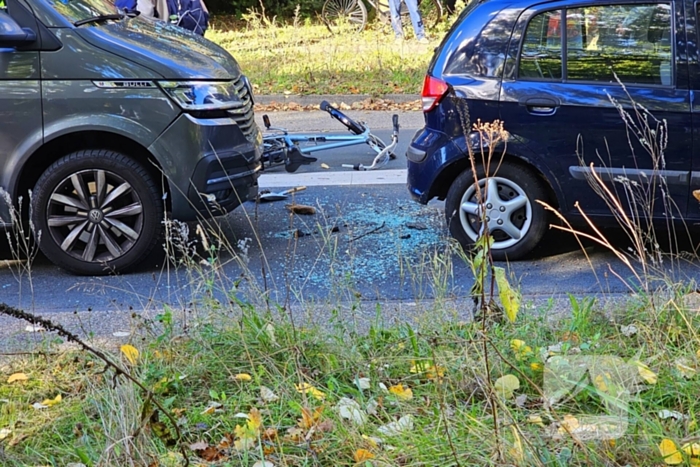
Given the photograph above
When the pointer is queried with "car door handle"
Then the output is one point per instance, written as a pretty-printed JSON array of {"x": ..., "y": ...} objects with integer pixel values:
[{"x": 540, "y": 105}]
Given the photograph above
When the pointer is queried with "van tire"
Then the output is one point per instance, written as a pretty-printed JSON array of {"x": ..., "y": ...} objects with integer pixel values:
[
  {"x": 110, "y": 226},
  {"x": 515, "y": 186}
]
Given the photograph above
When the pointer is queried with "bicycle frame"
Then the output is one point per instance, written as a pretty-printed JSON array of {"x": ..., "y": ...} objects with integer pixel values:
[
  {"x": 293, "y": 149},
  {"x": 333, "y": 141}
]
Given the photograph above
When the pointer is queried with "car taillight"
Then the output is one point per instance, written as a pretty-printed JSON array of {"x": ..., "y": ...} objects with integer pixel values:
[{"x": 433, "y": 91}]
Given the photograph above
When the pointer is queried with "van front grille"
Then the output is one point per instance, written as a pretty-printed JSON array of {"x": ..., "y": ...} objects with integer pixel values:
[{"x": 242, "y": 112}]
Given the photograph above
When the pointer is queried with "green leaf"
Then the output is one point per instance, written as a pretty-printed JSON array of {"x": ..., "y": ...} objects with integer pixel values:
[{"x": 510, "y": 298}]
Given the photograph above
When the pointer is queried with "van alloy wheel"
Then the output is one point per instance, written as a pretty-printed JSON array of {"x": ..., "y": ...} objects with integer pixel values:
[
  {"x": 97, "y": 212},
  {"x": 95, "y": 215}
]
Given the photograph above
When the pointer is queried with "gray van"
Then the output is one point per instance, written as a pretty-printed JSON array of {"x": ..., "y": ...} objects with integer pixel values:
[{"x": 112, "y": 121}]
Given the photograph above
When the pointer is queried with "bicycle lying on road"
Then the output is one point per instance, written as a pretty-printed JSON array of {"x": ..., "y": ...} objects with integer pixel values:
[
  {"x": 339, "y": 15},
  {"x": 294, "y": 149}
]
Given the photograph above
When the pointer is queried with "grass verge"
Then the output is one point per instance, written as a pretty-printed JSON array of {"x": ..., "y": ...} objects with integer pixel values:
[
  {"x": 247, "y": 388},
  {"x": 305, "y": 58}
]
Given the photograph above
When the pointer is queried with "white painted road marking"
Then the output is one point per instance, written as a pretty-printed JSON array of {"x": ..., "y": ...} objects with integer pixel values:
[{"x": 351, "y": 177}]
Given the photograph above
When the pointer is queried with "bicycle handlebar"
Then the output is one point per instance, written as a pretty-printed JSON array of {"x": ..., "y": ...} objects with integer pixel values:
[{"x": 352, "y": 125}]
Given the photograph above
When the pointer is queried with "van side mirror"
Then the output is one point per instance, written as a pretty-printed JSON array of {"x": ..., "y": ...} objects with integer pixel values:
[{"x": 12, "y": 35}]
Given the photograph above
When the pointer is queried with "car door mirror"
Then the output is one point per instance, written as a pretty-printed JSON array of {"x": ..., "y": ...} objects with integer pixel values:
[{"x": 12, "y": 35}]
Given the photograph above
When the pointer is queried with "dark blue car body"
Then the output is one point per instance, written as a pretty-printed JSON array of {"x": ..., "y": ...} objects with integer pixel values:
[{"x": 558, "y": 126}]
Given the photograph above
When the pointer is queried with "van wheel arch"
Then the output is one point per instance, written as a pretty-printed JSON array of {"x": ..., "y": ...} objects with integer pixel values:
[{"x": 59, "y": 147}]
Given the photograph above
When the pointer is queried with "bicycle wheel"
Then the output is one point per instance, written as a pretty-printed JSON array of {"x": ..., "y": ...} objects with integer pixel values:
[
  {"x": 344, "y": 15},
  {"x": 430, "y": 11}
]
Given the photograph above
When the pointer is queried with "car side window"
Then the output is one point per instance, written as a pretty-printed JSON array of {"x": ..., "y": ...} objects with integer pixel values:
[
  {"x": 540, "y": 56},
  {"x": 630, "y": 41}
]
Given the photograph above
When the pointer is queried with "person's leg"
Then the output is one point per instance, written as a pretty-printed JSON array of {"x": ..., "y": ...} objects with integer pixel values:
[
  {"x": 416, "y": 18},
  {"x": 395, "y": 11}
]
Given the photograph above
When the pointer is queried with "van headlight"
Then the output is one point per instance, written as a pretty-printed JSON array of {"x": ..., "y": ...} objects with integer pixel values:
[{"x": 202, "y": 95}]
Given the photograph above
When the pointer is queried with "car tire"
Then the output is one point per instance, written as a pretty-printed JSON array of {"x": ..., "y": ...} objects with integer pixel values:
[
  {"x": 97, "y": 212},
  {"x": 517, "y": 222}
]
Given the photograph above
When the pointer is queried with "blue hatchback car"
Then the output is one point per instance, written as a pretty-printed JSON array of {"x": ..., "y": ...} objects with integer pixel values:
[{"x": 557, "y": 74}]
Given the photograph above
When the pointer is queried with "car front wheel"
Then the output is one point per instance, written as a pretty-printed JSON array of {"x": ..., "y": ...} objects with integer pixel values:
[
  {"x": 514, "y": 219},
  {"x": 96, "y": 212}
]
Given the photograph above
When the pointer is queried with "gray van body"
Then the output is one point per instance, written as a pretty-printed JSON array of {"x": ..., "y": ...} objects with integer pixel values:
[{"x": 96, "y": 85}]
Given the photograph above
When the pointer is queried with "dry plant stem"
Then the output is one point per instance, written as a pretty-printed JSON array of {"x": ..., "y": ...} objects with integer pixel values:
[
  {"x": 118, "y": 370},
  {"x": 441, "y": 395},
  {"x": 599, "y": 240}
]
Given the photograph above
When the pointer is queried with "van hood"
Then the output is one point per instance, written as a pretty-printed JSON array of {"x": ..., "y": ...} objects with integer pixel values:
[{"x": 168, "y": 50}]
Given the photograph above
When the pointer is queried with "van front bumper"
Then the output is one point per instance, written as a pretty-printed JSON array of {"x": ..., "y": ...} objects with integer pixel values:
[{"x": 210, "y": 165}]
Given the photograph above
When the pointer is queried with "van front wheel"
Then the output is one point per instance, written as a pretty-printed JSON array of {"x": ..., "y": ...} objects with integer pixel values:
[
  {"x": 96, "y": 212},
  {"x": 515, "y": 220}
]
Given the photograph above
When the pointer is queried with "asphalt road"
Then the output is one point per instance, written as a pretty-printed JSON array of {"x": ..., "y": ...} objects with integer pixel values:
[{"x": 368, "y": 242}]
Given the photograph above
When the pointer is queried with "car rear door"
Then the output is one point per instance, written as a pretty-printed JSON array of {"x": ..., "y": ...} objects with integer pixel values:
[{"x": 562, "y": 99}]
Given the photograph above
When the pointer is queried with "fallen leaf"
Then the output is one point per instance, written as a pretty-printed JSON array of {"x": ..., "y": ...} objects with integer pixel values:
[
  {"x": 301, "y": 209},
  {"x": 692, "y": 450},
  {"x": 517, "y": 450},
  {"x": 211, "y": 408},
  {"x": 664, "y": 414},
  {"x": 402, "y": 393},
  {"x": 363, "y": 383},
  {"x": 510, "y": 298},
  {"x": 646, "y": 374},
  {"x": 17, "y": 377},
  {"x": 254, "y": 419},
  {"x": 270, "y": 331},
  {"x": 569, "y": 424},
  {"x": 52, "y": 402},
  {"x": 243, "y": 377},
  {"x": 130, "y": 353},
  {"x": 325, "y": 166},
  {"x": 308, "y": 418},
  {"x": 506, "y": 385},
  {"x": 349, "y": 409},
  {"x": 372, "y": 407},
  {"x": 696, "y": 194},
  {"x": 267, "y": 395},
  {"x": 199, "y": 446},
  {"x": 306, "y": 388},
  {"x": 684, "y": 368},
  {"x": 521, "y": 350},
  {"x": 535, "y": 420},
  {"x": 402, "y": 425},
  {"x": 362, "y": 455},
  {"x": 670, "y": 453}
]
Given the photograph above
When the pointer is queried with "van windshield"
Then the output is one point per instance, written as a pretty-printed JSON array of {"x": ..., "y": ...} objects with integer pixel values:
[{"x": 76, "y": 10}]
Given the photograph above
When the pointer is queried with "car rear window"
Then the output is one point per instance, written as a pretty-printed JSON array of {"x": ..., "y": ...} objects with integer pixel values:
[
  {"x": 632, "y": 42},
  {"x": 482, "y": 40}
]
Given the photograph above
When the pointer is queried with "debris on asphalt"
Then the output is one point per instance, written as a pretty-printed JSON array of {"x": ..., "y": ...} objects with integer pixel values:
[
  {"x": 374, "y": 230},
  {"x": 301, "y": 209},
  {"x": 416, "y": 226}
]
